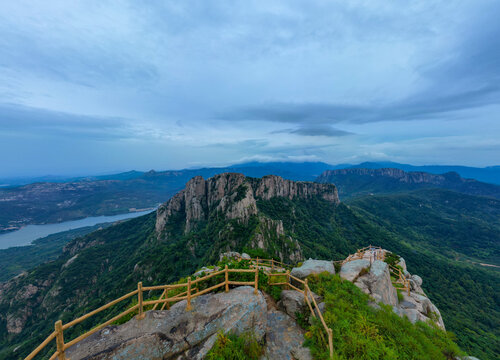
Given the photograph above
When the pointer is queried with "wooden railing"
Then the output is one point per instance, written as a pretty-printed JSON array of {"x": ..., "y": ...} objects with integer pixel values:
[
  {"x": 164, "y": 299},
  {"x": 360, "y": 254},
  {"x": 315, "y": 312},
  {"x": 266, "y": 262},
  {"x": 401, "y": 279}
]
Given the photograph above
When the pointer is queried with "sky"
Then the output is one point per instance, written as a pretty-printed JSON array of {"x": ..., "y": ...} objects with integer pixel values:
[{"x": 90, "y": 87}]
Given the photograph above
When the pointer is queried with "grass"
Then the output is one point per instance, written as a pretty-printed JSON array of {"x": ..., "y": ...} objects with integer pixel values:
[
  {"x": 360, "y": 332},
  {"x": 235, "y": 347}
]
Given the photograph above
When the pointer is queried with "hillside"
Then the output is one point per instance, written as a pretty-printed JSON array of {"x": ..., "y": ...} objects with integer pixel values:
[
  {"x": 50, "y": 202},
  {"x": 360, "y": 181},
  {"x": 268, "y": 217}
]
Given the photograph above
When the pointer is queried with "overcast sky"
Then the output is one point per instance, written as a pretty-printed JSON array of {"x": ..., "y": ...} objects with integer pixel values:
[{"x": 102, "y": 86}]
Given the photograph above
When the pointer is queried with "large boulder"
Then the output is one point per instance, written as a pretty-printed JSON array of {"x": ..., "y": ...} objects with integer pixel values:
[
  {"x": 378, "y": 283},
  {"x": 313, "y": 267},
  {"x": 351, "y": 270},
  {"x": 177, "y": 333},
  {"x": 229, "y": 255},
  {"x": 293, "y": 302}
]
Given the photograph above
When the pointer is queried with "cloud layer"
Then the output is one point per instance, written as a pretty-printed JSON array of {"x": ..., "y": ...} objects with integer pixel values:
[{"x": 95, "y": 86}]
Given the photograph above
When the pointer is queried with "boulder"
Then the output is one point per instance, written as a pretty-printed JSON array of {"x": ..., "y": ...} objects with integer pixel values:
[
  {"x": 402, "y": 263},
  {"x": 378, "y": 283},
  {"x": 177, "y": 333},
  {"x": 418, "y": 280},
  {"x": 313, "y": 267},
  {"x": 205, "y": 271},
  {"x": 351, "y": 270},
  {"x": 293, "y": 302},
  {"x": 229, "y": 255},
  {"x": 245, "y": 256}
]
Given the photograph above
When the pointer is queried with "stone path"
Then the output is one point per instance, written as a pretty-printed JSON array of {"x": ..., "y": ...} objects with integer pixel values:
[{"x": 284, "y": 337}]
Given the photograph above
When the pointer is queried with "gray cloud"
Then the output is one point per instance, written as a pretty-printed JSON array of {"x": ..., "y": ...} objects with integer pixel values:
[{"x": 319, "y": 130}]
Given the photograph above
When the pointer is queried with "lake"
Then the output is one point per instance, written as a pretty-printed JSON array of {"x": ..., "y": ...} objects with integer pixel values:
[{"x": 28, "y": 234}]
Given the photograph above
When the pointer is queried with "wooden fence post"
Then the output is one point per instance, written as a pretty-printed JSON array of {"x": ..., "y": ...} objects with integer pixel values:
[
  {"x": 60, "y": 340},
  {"x": 139, "y": 300},
  {"x": 227, "y": 279},
  {"x": 257, "y": 261},
  {"x": 255, "y": 291},
  {"x": 330, "y": 342},
  {"x": 305, "y": 290},
  {"x": 287, "y": 279},
  {"x": 188, "y": 306}
]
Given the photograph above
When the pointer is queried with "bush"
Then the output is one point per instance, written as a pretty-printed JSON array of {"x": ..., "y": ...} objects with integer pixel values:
[{"x": 234, "y": 347}]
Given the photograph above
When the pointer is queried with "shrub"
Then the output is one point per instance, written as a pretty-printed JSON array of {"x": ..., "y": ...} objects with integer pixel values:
[{"x": 234, "y": 347}]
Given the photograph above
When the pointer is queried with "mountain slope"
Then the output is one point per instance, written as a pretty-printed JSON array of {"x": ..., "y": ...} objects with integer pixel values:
[
  {"x": 268, "y": 217},
  {"x": 360, "y": 181}
]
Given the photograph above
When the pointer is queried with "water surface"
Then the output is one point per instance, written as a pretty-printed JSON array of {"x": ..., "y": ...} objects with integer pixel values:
[{"x": 28, "y": 234}]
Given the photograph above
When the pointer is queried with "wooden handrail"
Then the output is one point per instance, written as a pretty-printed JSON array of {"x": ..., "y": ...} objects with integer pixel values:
[
  {"x": 307, "y": 293},
  {"x": 189, "y": 294}
]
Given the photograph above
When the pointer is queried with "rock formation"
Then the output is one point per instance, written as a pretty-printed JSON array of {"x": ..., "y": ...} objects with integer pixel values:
[
  {"x": 373, "y": 278},
  {"x": 313, "y": 267},
  {"x": 177, "y": 333},
  {"x": 233, "y": 197}
]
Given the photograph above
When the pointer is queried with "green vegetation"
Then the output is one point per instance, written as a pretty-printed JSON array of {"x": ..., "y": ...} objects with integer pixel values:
[
  {"x": 361, "y": 332},
  {"x": 234, "y": 347},
  {"x": 15, "y": 260},
  {"x": 434, "y": 230}
]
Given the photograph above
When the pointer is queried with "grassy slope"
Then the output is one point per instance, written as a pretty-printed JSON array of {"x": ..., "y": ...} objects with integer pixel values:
[{"x": 434, "y": 228}]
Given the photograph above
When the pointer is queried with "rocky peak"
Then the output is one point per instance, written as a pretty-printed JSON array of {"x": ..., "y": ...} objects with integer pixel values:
[
  {"x": 234, "y": 195},
  {"x": 412, "y": 177}
]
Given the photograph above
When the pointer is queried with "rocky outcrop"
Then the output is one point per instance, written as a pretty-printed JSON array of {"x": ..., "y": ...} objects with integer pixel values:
[
  {"x": 313, "y": 267},
  {"x": 177, "y": 333},
  {"x": 373, "y": 278},
  {"x": 377, "y": 283},
  {"x": 234, "y": 195},
  {"x": 352, "y": 269},
  {"x": 230, "y": 201}
]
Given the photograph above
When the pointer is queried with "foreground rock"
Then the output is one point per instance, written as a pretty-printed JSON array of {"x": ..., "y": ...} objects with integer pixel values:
[
  {"x": 313, "y": 267},
  {"x": 177, "y": 334},
  {"x": 284, "y": 338}
]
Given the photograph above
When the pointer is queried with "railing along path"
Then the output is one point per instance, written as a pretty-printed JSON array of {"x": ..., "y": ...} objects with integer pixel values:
[{"x": 190, "y": 293}]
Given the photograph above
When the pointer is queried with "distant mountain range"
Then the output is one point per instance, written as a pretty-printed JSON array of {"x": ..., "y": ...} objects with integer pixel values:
[
  {"x": 362, "y": 181},
  {"x": 302, "y": 171},
  {"x": 50, "y": 202}
]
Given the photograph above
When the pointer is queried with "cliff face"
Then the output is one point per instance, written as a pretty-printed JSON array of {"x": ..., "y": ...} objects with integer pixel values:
[
  {"x": 354, "y": 181},
  {"x": 233, "y": 196}
]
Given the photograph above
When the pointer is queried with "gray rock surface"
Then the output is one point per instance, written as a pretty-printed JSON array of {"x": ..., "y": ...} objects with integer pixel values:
[
  {"x": 377, "y": 283},
  {"x": 176, "y": 333},
  {"x": 350, "y": 270},
  {"x": 245, "y": 256},
  {"x": 418, "y": 280},
  {"x": 293, "y": 301},
  {"x": 284, "y": 338},
  {"x": 313, "y": 267}
]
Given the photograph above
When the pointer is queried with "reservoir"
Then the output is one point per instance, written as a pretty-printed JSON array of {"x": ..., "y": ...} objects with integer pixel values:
[{"x": 30, "y": 233}]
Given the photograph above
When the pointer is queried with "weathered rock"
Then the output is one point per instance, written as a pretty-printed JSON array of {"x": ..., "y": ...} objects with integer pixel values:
[
  {"x": 178, "y": 333},
  {"x": 284, "y": 338},
  {"x": 351, "y": 270},
  {"x": 418, "y": 280},
  {"x": 229, "y": 255},
  {"x": 205, "y": 271},
  {"x": 402, "y": 263},
  {"x": 245, "y": 256},
  {"x": 293, "y": 302},
  {"x": 313, "y": 267},
  {"x": 378, "y": 283}
]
